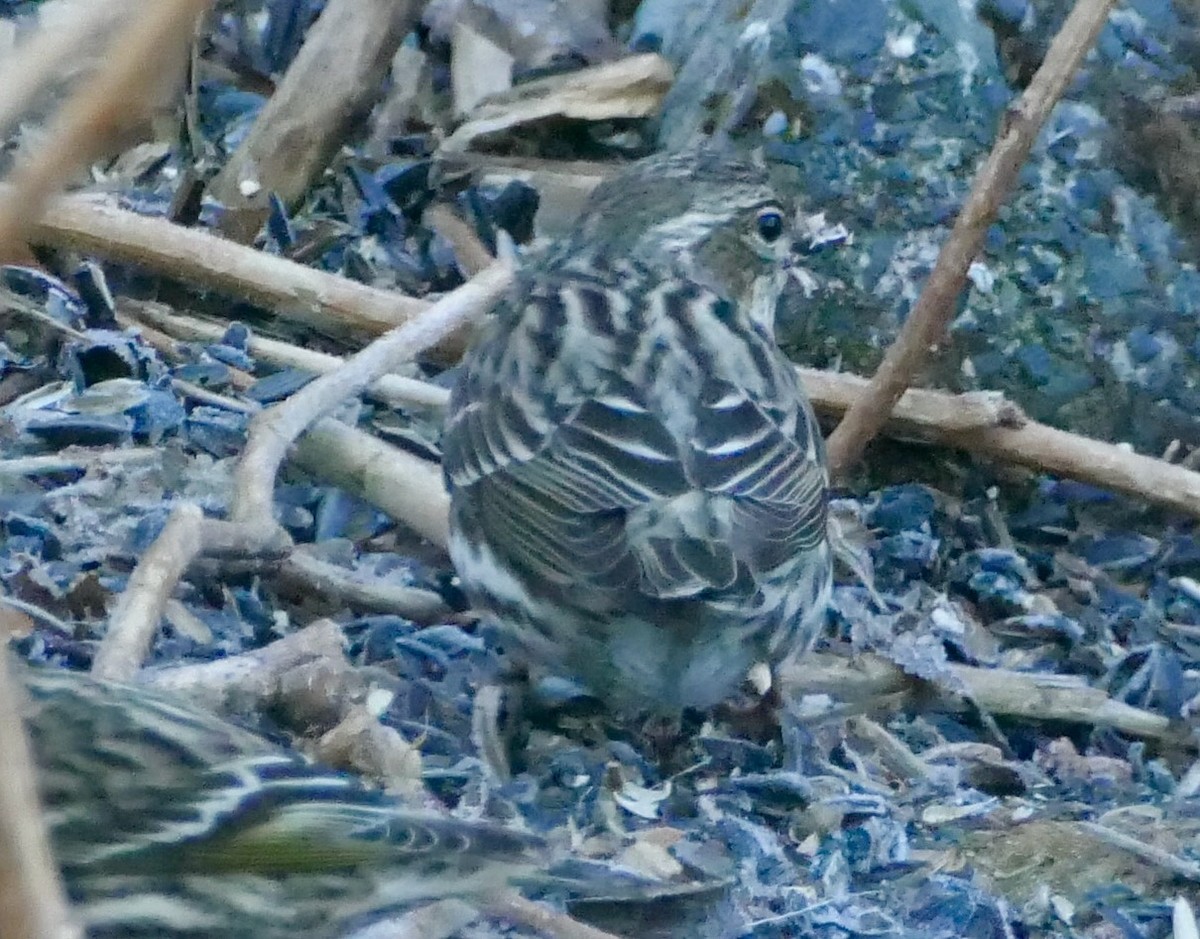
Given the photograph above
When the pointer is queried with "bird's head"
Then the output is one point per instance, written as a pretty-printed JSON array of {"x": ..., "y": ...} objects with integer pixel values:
[{"x": 714, "y": 215}]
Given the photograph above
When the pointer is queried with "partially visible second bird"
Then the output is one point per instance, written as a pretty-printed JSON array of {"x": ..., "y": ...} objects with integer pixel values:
[
  {"x": 638, "y": 485},
  {"x": 169, "y": 822}
]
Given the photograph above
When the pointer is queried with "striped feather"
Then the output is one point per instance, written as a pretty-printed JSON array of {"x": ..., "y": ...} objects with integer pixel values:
[
  {"x": 638, "y": 485},
  {"x": 170, "y": 822}
]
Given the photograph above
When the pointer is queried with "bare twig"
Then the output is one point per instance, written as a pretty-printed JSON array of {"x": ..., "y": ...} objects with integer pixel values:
[
  {"x": 1183, "y": 920},
  {"x": 996, "y": 690},
  {"x": 185, "y": 389},
  {"x": 394, "y": 390},
  {"x": 409, "y": 488},
  {"x": 125, "y": 91},
  {"x": 329, "y": 86},
  {"x": 253, "y": 529},
  {"x": 38, "y": 63},
  {"x": 32, "y": 903},
  {"x": 293, "y": 291},
  {"x": 516, "y": 909},
  {"x": 398, "y": 483},
  {"x": 168, "y": 348},
  {"x": 927, "y": 321},
  {"x": 1173, "y": 864},
  {"x": 984, "y": 423},
  {"x": 134, "y": 618},
  {"x": 79, "y": 458},
  {"x": 274, "y": 431},
  {"x": 485, "y": 732},
  {"x": 473, "y": 256},
  {"x": 306, "y": 681},
  {"x": 35, "y": 612},
  {"x": 892, "y": 749},
  {"x": 940, "y": 418},
  {"x": 360, "y": 742},
  {"x": 919, "y": 409},
  {"x": 376, "y": 595},
  {"x": 252, "y": 675}
]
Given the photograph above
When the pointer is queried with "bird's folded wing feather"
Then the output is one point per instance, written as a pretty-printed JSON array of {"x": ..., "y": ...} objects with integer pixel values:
[
  {"x": 597, "y": 491},
  {"x": 277, "y": 813}
]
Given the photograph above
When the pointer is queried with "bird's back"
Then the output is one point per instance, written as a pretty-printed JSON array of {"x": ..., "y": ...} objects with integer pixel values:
[{"x": 634, "y": 473}]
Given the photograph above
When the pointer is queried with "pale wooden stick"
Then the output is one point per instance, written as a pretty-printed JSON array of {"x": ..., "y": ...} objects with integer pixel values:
[{"x": 152, "y": 49}]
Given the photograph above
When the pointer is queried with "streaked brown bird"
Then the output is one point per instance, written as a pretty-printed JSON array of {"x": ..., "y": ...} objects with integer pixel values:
[
  {"x": 638, "y": 486},
  {"x": 169, "y": 822}
]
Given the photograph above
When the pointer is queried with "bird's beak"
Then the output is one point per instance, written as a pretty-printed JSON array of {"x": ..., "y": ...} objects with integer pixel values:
[{"x": 814, "y": 234}]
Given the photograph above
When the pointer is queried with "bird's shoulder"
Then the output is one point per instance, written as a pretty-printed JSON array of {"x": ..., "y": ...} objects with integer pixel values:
[{"x": 614, "y": 347}]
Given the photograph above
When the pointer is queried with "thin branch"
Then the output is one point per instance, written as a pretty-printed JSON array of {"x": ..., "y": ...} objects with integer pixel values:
[
  {"x": 253, "y": 529},
  {"x": 79, "y": 458},
  {"x": 894, "y": 751},
  {"x": 472, "y": 254},
  {"x": 1172, "y": 864},
  {"x": 293, "y": 291},
  {"x": 401, "y": 485},
  {"x": 275, "y": 430},
  {"x": 329, "y": 86},
  {"x": 187, "y": 390},
  {"x": 961, "y": 421},
  {"x": 515, "y": 908},
  {"x": 1000, "y": 691},
  {"x": 36, "y": 65},
  {"x": 133, "y": 620},
  {"x": 376, "y": 595},
  {"x": 253, "y": 675},
  {"x": 985, "y": 423},
  {"x": 152, "y": 49},
  {"x": 927, "y": 322},
  {"x": 1183, "y": 920},
  {"x": 394, "y": 390},
  {"x": 305, "y": 680},
  {"x": 409, "y": 489},
  {"x": 37, "y": 613}
]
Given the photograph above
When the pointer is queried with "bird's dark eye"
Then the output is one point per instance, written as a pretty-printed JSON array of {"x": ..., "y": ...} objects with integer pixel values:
[{"x": 770, "y": 224}]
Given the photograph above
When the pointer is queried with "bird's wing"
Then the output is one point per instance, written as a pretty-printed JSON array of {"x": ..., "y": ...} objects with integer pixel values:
[
  {"x": 135, "y": 782},
  {"x": 581, "y": 483},
  {"x": 763, "y": 463},
  {"x": 277, "y": 813}
]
